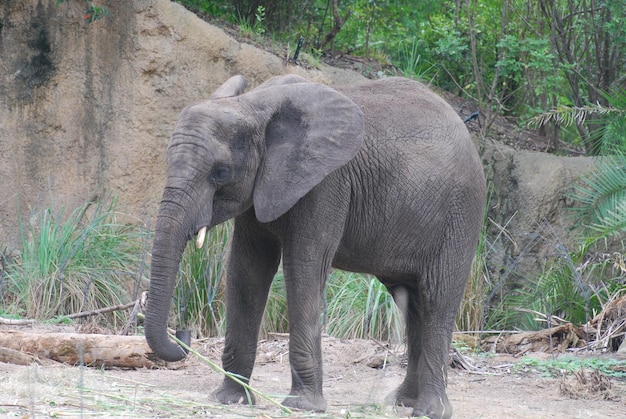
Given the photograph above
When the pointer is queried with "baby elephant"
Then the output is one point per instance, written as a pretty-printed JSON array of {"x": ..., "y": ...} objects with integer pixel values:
[{"x": 380, "y": 177}]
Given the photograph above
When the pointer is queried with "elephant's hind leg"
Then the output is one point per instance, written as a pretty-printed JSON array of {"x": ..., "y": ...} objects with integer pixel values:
[
  {"x": 432, "y": 299},
  {"x": 429, "y": 331}
]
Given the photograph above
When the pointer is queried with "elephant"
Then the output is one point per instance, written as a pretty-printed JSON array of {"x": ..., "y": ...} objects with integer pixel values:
[{"x": 380, "y": 177}]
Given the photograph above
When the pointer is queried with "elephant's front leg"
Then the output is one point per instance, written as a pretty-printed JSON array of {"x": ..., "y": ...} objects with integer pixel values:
[
  {"x": 253, "y": 261},
  {"x": 304, "y": 280}
]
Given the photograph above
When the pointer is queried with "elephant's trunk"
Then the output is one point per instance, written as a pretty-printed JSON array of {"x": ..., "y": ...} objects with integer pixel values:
[{"x": 170, "y": 240}]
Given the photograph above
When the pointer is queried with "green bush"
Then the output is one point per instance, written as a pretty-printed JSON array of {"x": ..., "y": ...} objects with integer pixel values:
[{"x": 68, "y": 264}]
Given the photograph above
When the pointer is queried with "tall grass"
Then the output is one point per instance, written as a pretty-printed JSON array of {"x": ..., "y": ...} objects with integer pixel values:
[
  {"x": 359, "y": 306},
  {"x": 198, "y": 297},
  {"x": 410, "y": 62},
  {"x": 275, "y": 317},
  {"x": 574, "y": 286},
  {"x": 473, "y": 311},
  {"x": 88, "y": 259},
  {"x": 68, "y": 264}
]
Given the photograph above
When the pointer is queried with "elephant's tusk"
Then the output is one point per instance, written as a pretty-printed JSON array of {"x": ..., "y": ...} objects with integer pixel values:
[{"x": 200, "y": 238}]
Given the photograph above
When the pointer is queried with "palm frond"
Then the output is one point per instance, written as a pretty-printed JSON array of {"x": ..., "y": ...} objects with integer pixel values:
[
  {"x": 566, "y": 116},
  {"x": 613, "y": 221},
  {"x": 602, "y": 197}
]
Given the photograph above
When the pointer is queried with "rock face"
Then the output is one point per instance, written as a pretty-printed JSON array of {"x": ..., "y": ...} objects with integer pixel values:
[
  {"x": 89, "y": 107},
  {"x": 529, "y": 216}
]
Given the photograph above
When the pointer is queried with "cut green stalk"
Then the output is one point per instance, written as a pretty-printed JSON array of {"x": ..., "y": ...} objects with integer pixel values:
[{"x": 235, "y": 377}]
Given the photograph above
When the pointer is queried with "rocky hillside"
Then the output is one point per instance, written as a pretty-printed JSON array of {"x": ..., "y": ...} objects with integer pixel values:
[{"x": 87, "y": 108}]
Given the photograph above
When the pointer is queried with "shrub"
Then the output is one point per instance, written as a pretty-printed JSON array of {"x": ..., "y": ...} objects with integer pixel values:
[{"x": 77, "y": 263}]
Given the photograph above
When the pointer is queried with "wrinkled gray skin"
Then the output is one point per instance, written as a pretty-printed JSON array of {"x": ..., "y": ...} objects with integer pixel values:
[{"x": 379, "y": 178}]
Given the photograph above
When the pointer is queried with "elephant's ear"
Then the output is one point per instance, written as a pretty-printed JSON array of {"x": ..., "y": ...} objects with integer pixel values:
[
  {"x": 311, "y": 130},
  {"x": 234, "y": 86}
]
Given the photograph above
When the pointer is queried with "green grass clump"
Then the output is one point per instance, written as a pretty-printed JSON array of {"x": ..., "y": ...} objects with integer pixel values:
[
  {"x": 68, "y": 264},
  {"x": 275, "y": 317},
  {"x": 198, "y": 296},
  {"x": 568, "y": 364},
  {"x": 410, "y": 61},
  {"x": 359, "y": 306}
]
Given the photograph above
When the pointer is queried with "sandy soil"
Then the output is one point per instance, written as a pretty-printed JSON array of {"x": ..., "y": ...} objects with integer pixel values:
[{"x": 358, "y": 376}]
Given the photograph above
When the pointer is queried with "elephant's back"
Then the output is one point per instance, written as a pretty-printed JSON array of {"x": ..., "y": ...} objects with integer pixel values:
[
  {"x": 410, "y": 125},
  {"x": 418, "y": 164},
  {"x": 407, "y": 114}
]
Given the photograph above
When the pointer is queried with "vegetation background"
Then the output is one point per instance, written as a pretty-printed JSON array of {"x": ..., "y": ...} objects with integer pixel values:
[{"x": 557, "y": 65}]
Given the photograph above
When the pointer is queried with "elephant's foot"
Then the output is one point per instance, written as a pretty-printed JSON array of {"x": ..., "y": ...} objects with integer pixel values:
[
  {"x": 232, "y": 393},
  {"x": 315, "y": 403},
  {"x": 428, "y": 405},
  {"x": 401, "y": 397},
  {"x": 434, "y": 407}
]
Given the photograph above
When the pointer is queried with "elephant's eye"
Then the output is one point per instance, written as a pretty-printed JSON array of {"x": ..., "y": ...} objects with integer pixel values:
[{"x": 220, "y": 175}]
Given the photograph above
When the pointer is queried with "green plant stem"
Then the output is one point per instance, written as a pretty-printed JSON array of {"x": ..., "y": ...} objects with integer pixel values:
[{"x": 230, "y": 375}]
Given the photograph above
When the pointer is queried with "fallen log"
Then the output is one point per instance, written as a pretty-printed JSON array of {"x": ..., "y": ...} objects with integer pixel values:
[
  {"x": 80, "y": 349},
  {"x": 11, "y": 356},
  {"x": 17, "y": 322}
]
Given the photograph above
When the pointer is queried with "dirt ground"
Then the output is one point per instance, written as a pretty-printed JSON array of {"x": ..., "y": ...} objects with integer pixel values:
[{"x": 358, "y": 376}]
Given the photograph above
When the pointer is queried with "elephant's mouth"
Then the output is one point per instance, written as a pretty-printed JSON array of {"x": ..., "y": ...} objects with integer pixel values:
[{"x": 200, "y": 237}]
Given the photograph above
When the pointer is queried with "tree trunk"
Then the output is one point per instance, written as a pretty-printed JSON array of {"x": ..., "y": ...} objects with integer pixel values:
[
  {"x": 77, "y": 349},
  {"x": 338, "y": 24}
]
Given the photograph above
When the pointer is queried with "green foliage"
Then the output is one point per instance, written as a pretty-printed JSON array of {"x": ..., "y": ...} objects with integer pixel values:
[
  {"x": 471, "y": 316},
  {"x": 198, "y": 298},
  {"x": 359, "y": 306},
  {"x": 569, "y": 364},
  {"x": 92, "y": 11},
  {"x": 81, "y": 262},
  {"x": 410, "y": 62},
  {"x": 257, "y": 27},
  {"x": 574, "y": 286},
  {"x": 601, "y": 194},
  {"x": 513, "y": 57},
  {"x": 275, "y": 318},
  {"x": 609, "y": 121},
  {"x": 602, "y": 198},
  {"x": 205, "y": 7}
]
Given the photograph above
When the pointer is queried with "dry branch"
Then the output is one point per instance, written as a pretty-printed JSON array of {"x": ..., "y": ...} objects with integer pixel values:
[
  {"x": 609, "y": 325},
  {"x": 22, "y": 322},
  {"x": 606, "y": 331},
  {"x": 101, "y": 310},
  {"x": 86, "y": 349},
  {"x": 564, "y": 337},
  {"x": 592, "y": 385}
]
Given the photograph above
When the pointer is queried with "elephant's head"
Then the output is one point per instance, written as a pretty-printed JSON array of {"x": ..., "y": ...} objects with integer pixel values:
[{"x": 264, "y": 149}]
